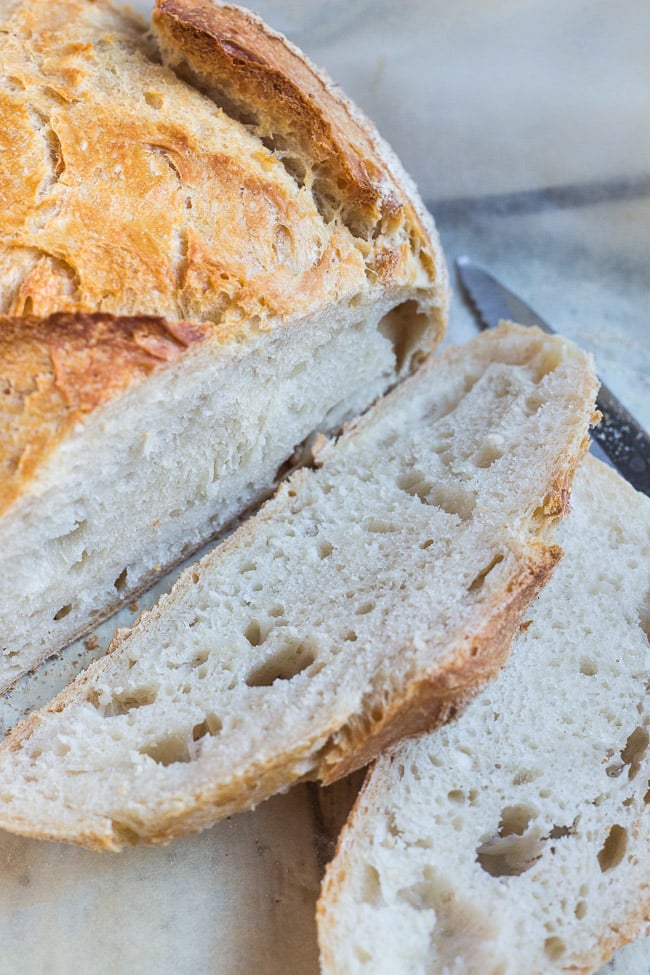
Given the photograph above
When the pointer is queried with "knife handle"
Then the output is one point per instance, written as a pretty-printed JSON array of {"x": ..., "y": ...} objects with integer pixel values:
[{"x": 626, "y": 444}]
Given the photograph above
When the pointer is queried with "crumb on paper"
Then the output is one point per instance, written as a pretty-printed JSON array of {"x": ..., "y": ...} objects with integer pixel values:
[
  {"x": 133, "y": 606},
  {"x": 91, "y": 643}
]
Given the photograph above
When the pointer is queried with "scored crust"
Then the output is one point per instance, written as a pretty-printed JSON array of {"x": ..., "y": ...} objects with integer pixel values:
[
  {"x": 123, "y": 220},
  {"x": 287, "y": 101}
]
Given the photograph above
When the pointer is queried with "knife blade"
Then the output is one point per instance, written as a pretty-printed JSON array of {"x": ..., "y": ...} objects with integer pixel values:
[{"x": 620, "y": 437}]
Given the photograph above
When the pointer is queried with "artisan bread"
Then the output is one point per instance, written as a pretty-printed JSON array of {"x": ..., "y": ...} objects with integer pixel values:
[
  {"x": 185, "y": 296},
  {"x": 515, "y": 841},
  {"x": 369, "y": 600}
]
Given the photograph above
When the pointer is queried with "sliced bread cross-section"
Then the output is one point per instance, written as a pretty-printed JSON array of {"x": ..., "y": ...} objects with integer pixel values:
[
  {"x": 515, "y": 840},
  {"x": 367, "y": 601}
]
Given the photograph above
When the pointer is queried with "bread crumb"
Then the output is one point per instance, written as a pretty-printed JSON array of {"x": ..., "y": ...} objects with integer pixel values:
[
  {"x": 91, "y": 643},
  {"x": 133, "y": 606}
]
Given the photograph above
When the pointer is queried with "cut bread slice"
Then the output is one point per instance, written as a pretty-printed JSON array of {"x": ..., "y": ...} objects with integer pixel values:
[
  {"x": 369, "y": 600},
  {"x": 515, "y": 841},
  {"x": 294, "y": 282}
]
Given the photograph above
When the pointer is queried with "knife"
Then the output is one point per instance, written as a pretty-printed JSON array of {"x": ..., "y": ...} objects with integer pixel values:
[{"x": 623, "y": 441}]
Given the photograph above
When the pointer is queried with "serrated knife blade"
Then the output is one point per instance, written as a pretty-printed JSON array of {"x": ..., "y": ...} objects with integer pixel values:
[{"x": 620, "y": 437}]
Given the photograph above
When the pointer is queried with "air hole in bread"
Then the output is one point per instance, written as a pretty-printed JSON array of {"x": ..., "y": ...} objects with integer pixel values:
[
  {"x": 554, "y": 948},
  {"x": 510, "y": 856},
  {"x": 120, "y": 582},
  {"x": 646, "y": 797},
  {"x": 635, "y": 750},
  {"x": 456, "y": 796},
  {"x": 452, "y": 499},
  {"x": 404, "y": 327},
  {"x": 580, "y": 910},
  {"x": 200, "y": 658},
  {"x": 515, "y": 848},
  {"x": 427, "y": 543},
  {"x": 285, "y": 664},
  {"x": 379, "y": 526},
  {"x": 614, "y": 770},
  {"x": 211, "y": 725},
  {"x": 489, "y": 453},
  {"x": 371, "y": 885},
  {"x": 365, "y": 608},
  {"x": 515, "y": 820},
  {"x": 588, "y": 667},
  {"x": 154, "y": 99},
  {"x": 534, "y": 402},
  {"x": 325, "y": 549},
  {"x": 255, "y": 634},
  {"x": 558, "y": 832},
  {"x": 479, "y": 580},
  {"x": 416, "y": 484},
  {"x": 130, "y": 699},
  {"x": 350, "y": 637},
  {"x": 63, "y": 612},
  {"x": 169, "y": 750},
  {"x": 613, "y": 849}
]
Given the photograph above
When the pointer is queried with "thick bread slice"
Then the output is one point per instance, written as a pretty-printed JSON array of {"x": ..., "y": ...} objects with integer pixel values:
[
  {"x": 515, "y": 841},
  {"x": 369, "y": 600},
  {"x": 127, "y": 442}
]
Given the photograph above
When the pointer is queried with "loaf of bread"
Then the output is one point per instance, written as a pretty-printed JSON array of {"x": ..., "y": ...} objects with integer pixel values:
[
  {"x": 367, "y": 601},
  {"x": 515, "y": 841},
  {"x": 201, "y": 263}
]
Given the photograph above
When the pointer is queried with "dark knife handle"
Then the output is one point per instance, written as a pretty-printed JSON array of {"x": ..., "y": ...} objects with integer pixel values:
[{"x": 626, "y": 444}]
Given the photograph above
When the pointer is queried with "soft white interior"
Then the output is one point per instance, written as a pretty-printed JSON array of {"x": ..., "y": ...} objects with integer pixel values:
[
  {"x": 516, "y": 840},
  {"x": 355, "y": 579},
  {"x": 171, "y": 462}
]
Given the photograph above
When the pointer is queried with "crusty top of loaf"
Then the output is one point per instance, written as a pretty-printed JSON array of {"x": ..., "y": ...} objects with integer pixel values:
[
  {"x": 289, "y": 104},
  {"x": 125, "y": 189},
  {"x": 56, "y": 370}
]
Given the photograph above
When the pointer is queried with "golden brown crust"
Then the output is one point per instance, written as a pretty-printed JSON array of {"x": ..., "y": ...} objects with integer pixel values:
[
  {"x": 268, "y": 80},
  {"x": 327, "y": 144},
  {"x": 117, "y": 179},
  {"x": 433, "y": 699},
  {"x": 56, "y": 370},
  {"x": 124, "y": 190}
]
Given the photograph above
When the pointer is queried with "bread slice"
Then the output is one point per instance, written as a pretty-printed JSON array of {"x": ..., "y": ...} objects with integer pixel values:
[
  {"x": 368, "y": 600},
  {"x": 515, "y": 841},
  {"x": 186, "y": 295}
]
